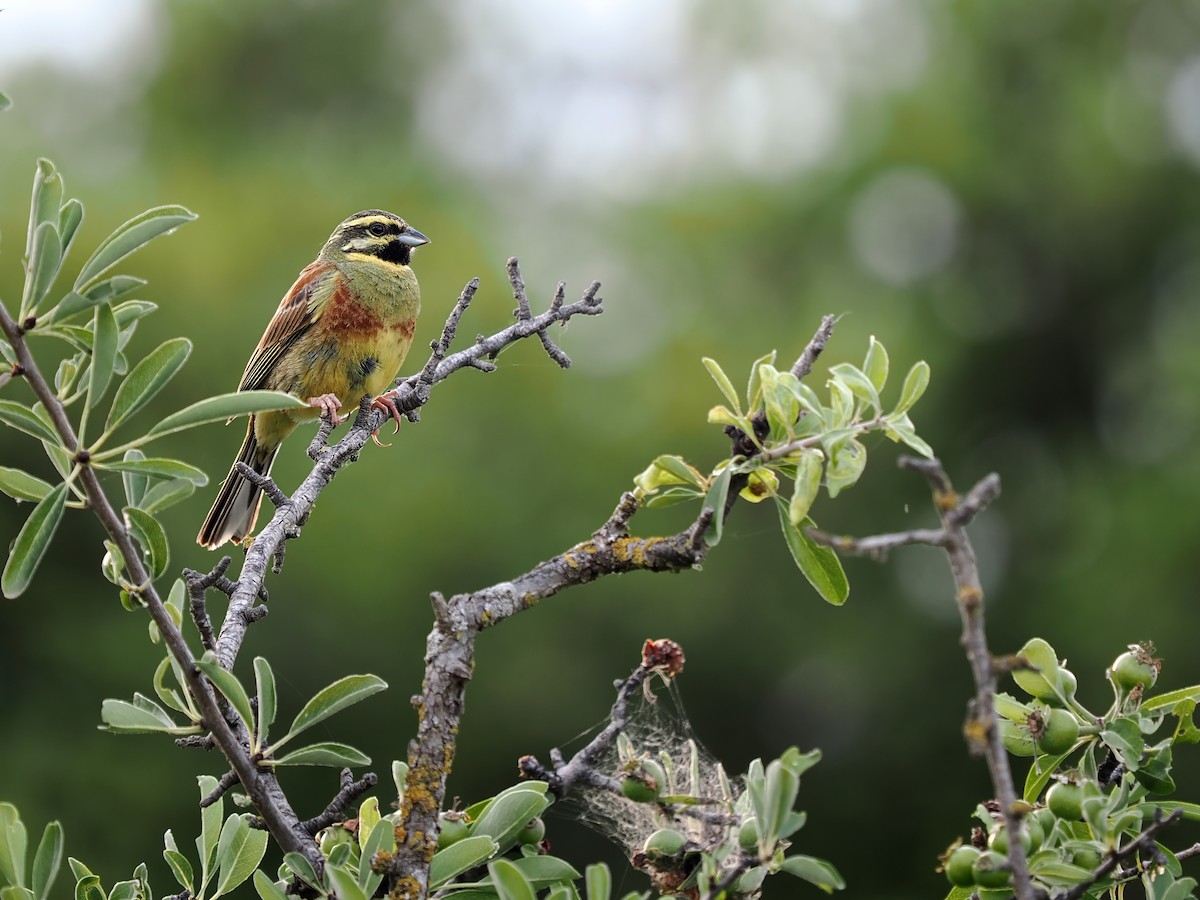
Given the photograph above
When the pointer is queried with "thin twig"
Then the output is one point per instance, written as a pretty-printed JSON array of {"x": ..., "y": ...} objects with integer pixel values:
[
  {"x": 1143, "y": 841},
  {"x": 264, "y": 483},
  {"x": 336, "y": 811},
  {"x": 981, "y": 729},
  {"x": 226, "y": 781}
]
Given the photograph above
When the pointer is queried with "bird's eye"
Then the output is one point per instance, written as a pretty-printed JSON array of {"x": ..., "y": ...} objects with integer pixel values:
[{"x": 377, "y": 228}]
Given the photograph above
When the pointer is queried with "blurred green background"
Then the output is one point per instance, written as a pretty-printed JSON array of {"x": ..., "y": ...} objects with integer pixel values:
[{"x": 1007, "y": 190}]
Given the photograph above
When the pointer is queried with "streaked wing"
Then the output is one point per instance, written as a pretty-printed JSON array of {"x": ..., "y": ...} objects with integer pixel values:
[{"x": 300, "y": 308}]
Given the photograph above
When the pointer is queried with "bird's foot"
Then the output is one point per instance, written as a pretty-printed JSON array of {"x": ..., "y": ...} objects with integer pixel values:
[
  {"x": 329, "y": 405},
  {"x": 387, "y": 403}
]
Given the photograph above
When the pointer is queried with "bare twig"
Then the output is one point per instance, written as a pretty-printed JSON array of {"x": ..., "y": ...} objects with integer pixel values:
[
  {"x": 450, "y": 660},
  {"x": 226, "y": 781},
  {"x": 982, "y": 733},
  {"x": 264, "y": 483},
  {"x": 342, "y": 802}
]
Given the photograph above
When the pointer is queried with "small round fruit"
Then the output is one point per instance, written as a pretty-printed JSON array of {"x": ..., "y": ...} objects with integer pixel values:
[
  {"x": 748, "y": 834},
  {"x": 533, "y": 832},
  {"x": 1060, "y": 731},
  {"x": 452, "y": 828},
  {"x": 998, "y": 840},
  {"x": 639, "y": 789},
  {"x": 1065, "y": 801},
  {"x": 960, "y": 866},
  {"x": 1067, "y": 682},
  {"x": 664, "y": 842},
  {"x": 1035, "y": 833},
  {"x": 1136, "y": 667},
  {"x": 990, "y": 870},
  {"x": 1086, "y": 857}
]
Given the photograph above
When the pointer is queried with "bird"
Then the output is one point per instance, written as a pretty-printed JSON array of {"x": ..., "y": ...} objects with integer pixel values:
[{"x": 340, "y": 332}]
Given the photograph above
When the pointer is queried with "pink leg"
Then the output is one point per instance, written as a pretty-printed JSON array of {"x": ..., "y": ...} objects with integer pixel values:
[{"x": 329, "y": 405}]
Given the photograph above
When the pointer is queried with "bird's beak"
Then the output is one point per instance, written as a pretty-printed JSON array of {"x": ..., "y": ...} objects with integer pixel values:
[{"x": 412, "y": 238}]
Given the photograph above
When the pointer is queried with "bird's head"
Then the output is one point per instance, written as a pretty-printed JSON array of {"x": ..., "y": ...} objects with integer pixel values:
[{"x": 375, "y": 235}]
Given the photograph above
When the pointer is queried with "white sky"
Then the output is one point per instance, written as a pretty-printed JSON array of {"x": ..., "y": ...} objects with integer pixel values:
[{"x": 83, "y": 33}]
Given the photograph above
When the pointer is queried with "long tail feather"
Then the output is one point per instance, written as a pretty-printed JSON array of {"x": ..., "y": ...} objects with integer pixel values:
[{"x": 235, "y": 510}]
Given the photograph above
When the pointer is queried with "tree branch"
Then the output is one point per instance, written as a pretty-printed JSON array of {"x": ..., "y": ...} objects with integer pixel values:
[
  {"x": 981, "y": 729},
  {"x": 410, "y": 395},
  {"x": 450, "y": 662}
]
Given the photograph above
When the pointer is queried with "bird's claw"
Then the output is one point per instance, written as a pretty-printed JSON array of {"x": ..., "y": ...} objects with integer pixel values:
[
  {"x": 387, "y": 403},
  {"x": 329, "y": 405}
]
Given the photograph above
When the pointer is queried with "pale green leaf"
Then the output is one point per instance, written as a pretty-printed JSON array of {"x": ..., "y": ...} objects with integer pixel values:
[
  {"x": 21, "y": 485},
  {"x": 180, "y": 867},
  {"x": 224, "y": 407},
  {"x": 70, "y": 217},
  {"x": 14, "y": 842},
  {"x": 153, "y": 538},
  {"x": 43, "y": 266},
  {"x": 327, "y": 753},
  {"x": 147, "y": 378},
  {"x": 156, "y": 468},
  {"x": 598, "y": 880},
  {"x": 32, "y": 542},
  {"x": 264, "y": 680},
  {"x": 267, "y": 889},
  {"x": 227, "y": 683},
  {"x": 876, "y": 364},
  {"x": 814, "y": 871},
  {"x": 166, "y": 493},
  {"x": 104, "y": 352},
  {"x": 819, "y": 564},
  {"x": 48, "y": 860},
  {"x": 808, "y": 481},
  {"x": 510, "y": 884},
  {"x": 24, "y": 419},
  {"x": 239, "y": 852},
  {"x": 723, "y": 382},
  {"x": 715, "y": 500},
  {"x": 458, "y": 858},
  {"x": 129, "y": 237},
  {"x": 915, "y": 383},
  {"x": 337, "y": 696}
]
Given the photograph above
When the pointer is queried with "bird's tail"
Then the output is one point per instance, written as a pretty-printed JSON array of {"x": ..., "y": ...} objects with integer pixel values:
[{"x": 232, "y": 515}]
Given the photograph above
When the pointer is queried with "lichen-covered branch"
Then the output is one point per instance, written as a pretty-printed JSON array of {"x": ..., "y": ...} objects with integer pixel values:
[{"x": 450, "y": 661}]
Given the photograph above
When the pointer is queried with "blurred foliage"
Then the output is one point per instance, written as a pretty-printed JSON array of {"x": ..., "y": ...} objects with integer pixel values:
[{"x": 1016, "y": 210}]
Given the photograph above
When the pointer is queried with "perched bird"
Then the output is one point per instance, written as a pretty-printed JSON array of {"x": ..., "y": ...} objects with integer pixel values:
[{"x": 341, "y": 331}]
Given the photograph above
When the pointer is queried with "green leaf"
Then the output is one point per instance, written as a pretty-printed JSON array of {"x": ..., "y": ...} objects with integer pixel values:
[
  {"x": 133, "y": 482},
  {"x": 89, "y": 888},
  {"x": 723, "y": 382},
  {"x": 110, "y": 290},
  {"x": 509, "y": 882},
  {"x": 267, "y": 889},
  {"x": 458, "y": 858},
  {"x": 78, "y": 869},
  {"x": 327, "y": 753},
  {"x": 104, "y": 353},
  {"x": 48, "y": 860},
  {"x": 876, "y": 364},
  {"x": 147, "y": 378},
  {"x": 21, "y": 485},
  {"x": 543, "y": 871},
  {"x": 859, "y": 383},
  {"x": 5, "y": 102},
  {"x": 180, "y": 868},
  {"x": 224, "y": 407},
  {"x": 1039, "y": 775},
  {"x": 847, "y": 461},
  {"x": 808, "y": 482},
  {"x": 841, "y": 413},
  {"x": 226, "y": 682},
  {"x": 24, "y": 419},
  {"x": 14, "y": 841},
  {"x": 507, "y": 814},
  {"x": 168, "y": 695},
  {"x": 901, "y": 428},
  {"x": 210, "y": 829},
  {"x": 819, "y": 564},
  {"x": 264, "y": 680},
  {"x": 598, "y": 880},
  {"x": 157, "y": 468},
  {"x": 814, "y": 871},
  {"x": 239, "y": 852},
  {"x": 32, "y": 542},
  {"x": 1126, "y": 741},
  {"x": 70, "y": 217},
  {"x": 43, "y": 267},
  {"x": 1190, "y": 811},
  {"x": 1168, "y": 700},
  {"x": 754, "y": 386},
  {"x": 345, "y": 885},
  {"x": 302, "y": 869},
  {"x": 915, "y": 383},
  {"x": 150, "y": 534},
  {"x": 380, "y": 839},
  {"x": 334, "y": 698},
  {"x": 123, "y": 717},
  {"x": 671, "y": 497},
  {"x": 167, "y": 493},
  {"x": 135, "y": 233},
  {"x": 715, "y": 499}
]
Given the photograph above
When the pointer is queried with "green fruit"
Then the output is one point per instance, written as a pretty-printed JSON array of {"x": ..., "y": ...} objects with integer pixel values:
[
  {"x": 960, "y": 866},
  {"x": 990, "y": 870},
  {"x": 533, "y": 832},
  {"x": 748, "y": 834},
  {"x": 1067, "y": 682},
  {"x": 1065, "y": 801},
  {"x": 1136, "y": 667},
  {"x": 1035, "y": 833},
  {"x": 1086, "y": 858},
  {"x": 998, "y": 839},
  {"x": 639, "y": 789},
  {"x": 1060, "y": 731},
  {"x": 1045, "y": 820},
  {"x": 452, "y": 828},
  {"x": 664, "y": 842}
]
